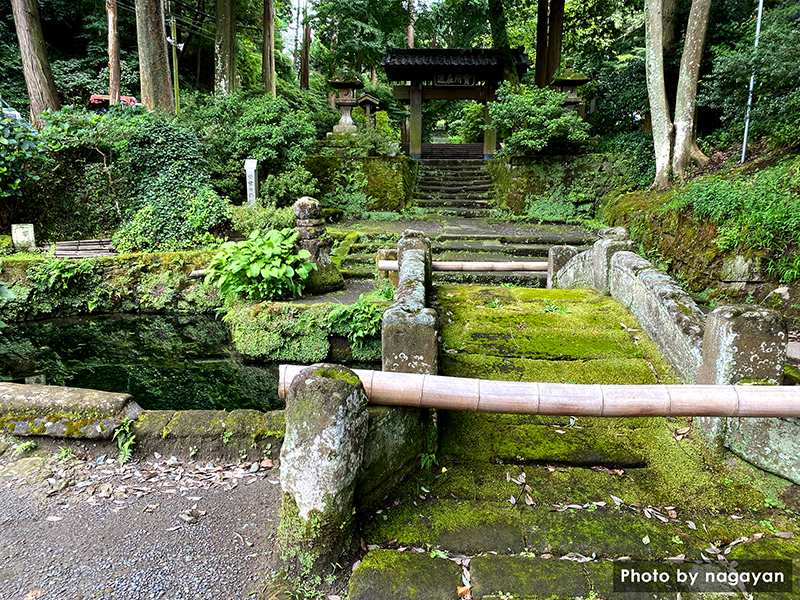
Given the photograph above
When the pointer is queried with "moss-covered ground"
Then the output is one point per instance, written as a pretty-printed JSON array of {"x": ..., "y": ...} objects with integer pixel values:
[{"x": 593, "y": 489}]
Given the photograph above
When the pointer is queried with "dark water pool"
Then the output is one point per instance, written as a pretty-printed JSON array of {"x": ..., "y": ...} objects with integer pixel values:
[{"x": 165, "y": 362}]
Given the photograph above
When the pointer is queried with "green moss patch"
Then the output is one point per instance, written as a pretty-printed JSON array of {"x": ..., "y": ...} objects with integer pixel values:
[
  {"x": 525, "y": 577},
  {"x": 386, "y": 574},
  {"x": 458, "y": 526}
]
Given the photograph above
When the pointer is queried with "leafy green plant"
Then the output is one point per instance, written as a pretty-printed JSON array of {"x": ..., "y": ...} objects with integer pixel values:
[
  {"x": 285, "y": 188},
  {"x": 427, "y": 460},
  {"x": 125, "y": 438},
  {"x": 357, "y": 321},
  {"x": 553, "y": 307},
  {"x": 57, "y": 275},
  {"x": 260, "y": 268},
  {"x": 531, "y": 118},
  {"x": 24, "y": 448},
  {"x": 65, "y": 453},
  {"x": 21, "y": 147}
]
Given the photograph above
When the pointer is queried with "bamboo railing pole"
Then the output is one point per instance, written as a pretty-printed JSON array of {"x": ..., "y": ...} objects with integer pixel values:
[
  {"x": 457, "y": 393},
  {"x": 453, "y": 266}
]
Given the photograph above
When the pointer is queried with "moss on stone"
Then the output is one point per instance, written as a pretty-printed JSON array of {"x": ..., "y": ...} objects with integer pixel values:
[
  {"x": 332, "y": 373},
  {"x": 386, "y": 574},
  {"x": 527, "y": 577}
]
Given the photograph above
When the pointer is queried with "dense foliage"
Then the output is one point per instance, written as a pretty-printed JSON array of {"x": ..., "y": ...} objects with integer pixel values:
[
  {"x": 22, "y": 154},
  {"x": 533, "y": 118},
  {"x": 776, "y": 65},
  {"x": 248, "y": 125},
  {"x": 173, "y": 205}
]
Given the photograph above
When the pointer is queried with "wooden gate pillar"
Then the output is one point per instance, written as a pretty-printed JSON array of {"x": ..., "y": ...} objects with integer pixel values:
[
  {"x": 415, "y": 125},
  {"x": 489, "y": 135}
]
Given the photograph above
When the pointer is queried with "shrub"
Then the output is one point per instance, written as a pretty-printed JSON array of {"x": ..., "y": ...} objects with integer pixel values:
[
  {"x": 356, "y": 321},
  {"x": 263, "y": 216},
  {"x": 173, "y": 206},
  {"x": 22, "y": 154},
  {"x": 531, "y": 118},
  {"x": 470, "y": 126},
  {"x": 621, "y": 92},
  {"x": 286, "y": 188},
  {"x": 260, "y": 268}
]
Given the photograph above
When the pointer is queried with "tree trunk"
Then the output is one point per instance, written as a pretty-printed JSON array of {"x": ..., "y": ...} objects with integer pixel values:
[
  {"x": 268, "y": 56},
  {"x": 657, "y": 92},
  {"x": 305, "y": 56},
  {"x": 497, "y": 21},
  {"x": 670, "y": 30},
  {"x": 541, "y": 44},
  {"x": 113, "y": 52},
  {"x": 686, "y": 148},
  {"x": 225, "y": 48},
  {"x": 154, "y": 73},
  {"x": 411, "y": 18},
  {"x": 35, "y": 65},
  {"x": 554, "y": 36}
]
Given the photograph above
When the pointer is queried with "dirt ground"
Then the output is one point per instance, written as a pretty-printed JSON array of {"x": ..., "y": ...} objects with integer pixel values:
[{"x": 80, "y": 526}]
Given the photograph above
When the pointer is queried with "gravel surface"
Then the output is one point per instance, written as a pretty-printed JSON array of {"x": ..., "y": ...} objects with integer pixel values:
[{"x": 156, "y": 527}]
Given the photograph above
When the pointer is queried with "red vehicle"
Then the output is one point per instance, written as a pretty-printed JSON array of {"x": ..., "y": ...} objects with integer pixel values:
[{"x": 103, "y": 100}]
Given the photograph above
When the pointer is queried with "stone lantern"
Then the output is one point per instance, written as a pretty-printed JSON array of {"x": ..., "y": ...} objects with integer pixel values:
[
  {"x": 346, "y": 101},
  {"x": 568, "y": 83},
  {"x": 370, "y": 105}
]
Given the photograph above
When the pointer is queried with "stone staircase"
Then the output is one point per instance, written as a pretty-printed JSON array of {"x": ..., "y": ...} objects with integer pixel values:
[
  {"x": 461, "y": 190},
  {"x": 455, "y": 187},
  {"x": 547, "y": 507}
]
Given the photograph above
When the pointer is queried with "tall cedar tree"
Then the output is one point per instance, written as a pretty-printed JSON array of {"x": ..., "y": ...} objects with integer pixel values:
[{"x": 35, "y": 65}]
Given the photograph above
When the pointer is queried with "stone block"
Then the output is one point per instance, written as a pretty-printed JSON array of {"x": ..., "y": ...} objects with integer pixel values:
[
  {"x": 526, "y": 577},
  {"x": 409, "y": 341},
  {"x": 770, "y": 444},
  {"x": 743, "y": 343},
  {"x": 416, "y": 240},
  {"x": 602, "y": 252},
  {"x": 577, "y": 273},
  {"x": 322, "y": 452},
  {"x": 741, "y": 269},
  {"x": 23, "y": 236},
  {"x": 557, "y": 257},
  {"x": 307, "y": 208}
]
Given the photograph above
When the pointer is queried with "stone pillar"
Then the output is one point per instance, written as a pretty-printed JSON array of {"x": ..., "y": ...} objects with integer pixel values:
[
  {"x": 416, "y": 240},
  {"x": 489, "y": 135},
  {"x": 415, "y": 126},
  {"x": 322, "y": 452},
  {"x": 251, "y": 175},
  {"x": 612, "y": 241},
  {"x": 23, "y": 237},
  {"x": 742, "y": 344},
  {"x": 557, "y": 257},
  {"x": 314, "y": 237},
  {"x": 409, "y": 336}
]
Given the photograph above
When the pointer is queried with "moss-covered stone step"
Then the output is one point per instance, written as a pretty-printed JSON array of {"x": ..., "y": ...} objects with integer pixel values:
[
  {"x": 629, "y": 371},
  {"x": 385, "y": 574},
  {"x": 531, "y": 279},
  {"x": 423, "y": 576}
]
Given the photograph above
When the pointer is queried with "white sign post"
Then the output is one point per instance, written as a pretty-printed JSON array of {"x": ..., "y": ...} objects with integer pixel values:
[
  {"x": 251, "y": 171},
  {"x": 22, "y": 236}
]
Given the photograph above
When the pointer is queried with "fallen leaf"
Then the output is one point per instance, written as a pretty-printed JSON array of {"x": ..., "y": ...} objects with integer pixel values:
[
  {"x": 529, "y": 501},
  {"x": 33, "y": 595},
  {"x": 462, "y": 591},
  {"x": 683, "y": 430},
  {"x": 616, "y": 500},
  {"x": 691, "y": 525},
  {"x": 646, "y": 540},
  {"x": 786, "y": 535},
  {"x": 54, "y": 519}
]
